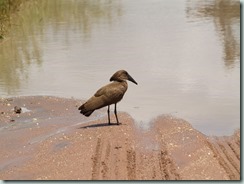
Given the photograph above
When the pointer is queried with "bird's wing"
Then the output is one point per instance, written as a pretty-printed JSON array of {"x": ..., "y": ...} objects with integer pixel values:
[
  {"x": 110, "y": 93},
  {"x": 106, "y": 95},
  {"x": 105, "y": 90},
  {"x": 111, "y": 90}
]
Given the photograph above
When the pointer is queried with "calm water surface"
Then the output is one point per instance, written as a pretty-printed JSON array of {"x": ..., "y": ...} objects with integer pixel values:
[{"x": 185, "y": 56}]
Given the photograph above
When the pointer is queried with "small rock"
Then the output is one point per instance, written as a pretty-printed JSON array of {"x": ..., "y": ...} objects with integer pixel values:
[
  {"x": 118, "y": 147},
  {"x": 17, "y": 109}
]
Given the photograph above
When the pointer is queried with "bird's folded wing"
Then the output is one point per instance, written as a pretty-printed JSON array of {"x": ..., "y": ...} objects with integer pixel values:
[{"x": 108, "y": 95}]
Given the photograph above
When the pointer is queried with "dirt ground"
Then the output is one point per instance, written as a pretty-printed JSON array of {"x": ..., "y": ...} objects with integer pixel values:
[{"x": 50, "y": 140}]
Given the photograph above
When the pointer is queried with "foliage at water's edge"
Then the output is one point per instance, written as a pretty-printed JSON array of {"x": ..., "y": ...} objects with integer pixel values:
[{"x": 7, "y": 9}]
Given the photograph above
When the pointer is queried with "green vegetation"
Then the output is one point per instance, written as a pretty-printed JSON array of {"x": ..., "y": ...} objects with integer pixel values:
[
  {"x": 7, "y": 8},
  {"x": 32, "y": 23}
]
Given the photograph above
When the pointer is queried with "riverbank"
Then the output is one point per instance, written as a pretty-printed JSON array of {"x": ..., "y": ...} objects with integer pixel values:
[{"x": 50, "y": 140}]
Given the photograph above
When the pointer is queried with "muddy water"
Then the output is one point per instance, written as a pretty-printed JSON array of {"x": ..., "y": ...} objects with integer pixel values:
[{"x": 184, "y": 55}]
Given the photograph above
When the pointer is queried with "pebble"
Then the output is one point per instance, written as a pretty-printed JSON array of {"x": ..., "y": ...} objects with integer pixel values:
[{"x": 17, "y": 109}]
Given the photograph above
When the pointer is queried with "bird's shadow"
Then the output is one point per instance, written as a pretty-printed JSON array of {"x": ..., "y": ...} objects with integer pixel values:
[{"x": 100, "y": 125}]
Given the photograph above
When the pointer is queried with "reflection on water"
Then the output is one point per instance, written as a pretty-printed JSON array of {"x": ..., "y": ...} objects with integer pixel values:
[
  {"x": 7, "y": 8},
  {"x": 24, "y": 46},
  {"x": 183, "y": 54},
  {"x": 226, "y": 17}
]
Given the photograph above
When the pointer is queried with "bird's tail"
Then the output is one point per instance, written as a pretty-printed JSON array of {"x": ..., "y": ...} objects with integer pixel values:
[{"x": 84, "y": 111}]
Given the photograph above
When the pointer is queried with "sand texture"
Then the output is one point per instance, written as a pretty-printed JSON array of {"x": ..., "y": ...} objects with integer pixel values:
[{"x": 50, "y": 140}]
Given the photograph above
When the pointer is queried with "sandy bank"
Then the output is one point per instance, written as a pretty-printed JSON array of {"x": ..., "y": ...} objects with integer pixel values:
[{"x": 50, "y": 140}]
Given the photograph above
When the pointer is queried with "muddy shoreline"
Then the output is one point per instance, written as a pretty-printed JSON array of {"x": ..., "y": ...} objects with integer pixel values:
[{"x": 50, "y": 140}]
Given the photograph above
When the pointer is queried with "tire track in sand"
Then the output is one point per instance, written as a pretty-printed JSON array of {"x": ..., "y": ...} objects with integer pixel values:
[
  {"x": 131, "y": 164},
  {"x": 105, "y": 162},
  {"x": 230, "y": 156},
  {"x": 167, "y": 167},
  {"x": 235, "y": 148},
  {"x": 96, "y": 160},
  {"x": 224, "y": 159}
]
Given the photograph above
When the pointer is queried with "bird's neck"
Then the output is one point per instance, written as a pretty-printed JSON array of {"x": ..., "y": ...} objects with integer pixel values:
[{"x": 123, "y": 84}]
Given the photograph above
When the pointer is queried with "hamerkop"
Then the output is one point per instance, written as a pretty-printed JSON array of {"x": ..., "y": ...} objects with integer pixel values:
[{"x": 108, "y": 95}]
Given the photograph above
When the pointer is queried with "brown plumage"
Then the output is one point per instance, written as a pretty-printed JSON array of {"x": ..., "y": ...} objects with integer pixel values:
[{"x": 108, "y": 95}]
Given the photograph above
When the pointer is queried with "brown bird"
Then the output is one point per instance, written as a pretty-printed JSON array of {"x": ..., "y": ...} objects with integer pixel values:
[{"x": 108, "y": 95}]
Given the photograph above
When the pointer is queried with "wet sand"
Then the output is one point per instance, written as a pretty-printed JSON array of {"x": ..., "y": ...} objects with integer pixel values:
[{"x": 50, "y": 140}]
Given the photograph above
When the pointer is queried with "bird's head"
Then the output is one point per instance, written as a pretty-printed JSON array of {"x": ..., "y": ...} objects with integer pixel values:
[{"x": 122, "y": 75}]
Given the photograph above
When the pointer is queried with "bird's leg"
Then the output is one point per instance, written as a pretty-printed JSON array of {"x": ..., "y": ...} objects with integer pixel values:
[
  {"x": 108, "y": 116},
  {"x": 115, "y": 112}
]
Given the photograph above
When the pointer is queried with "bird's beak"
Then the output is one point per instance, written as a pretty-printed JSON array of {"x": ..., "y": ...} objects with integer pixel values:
[{"x": 131, "y": 79}]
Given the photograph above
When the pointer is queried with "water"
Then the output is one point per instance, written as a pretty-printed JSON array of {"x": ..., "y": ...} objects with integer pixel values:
[{"x": 185, "y": 56}]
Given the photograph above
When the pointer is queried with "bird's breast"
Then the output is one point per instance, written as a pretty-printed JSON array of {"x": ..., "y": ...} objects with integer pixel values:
[
  {"x": 116, "y": 92},
  {"x": 123, "y": 86}
]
